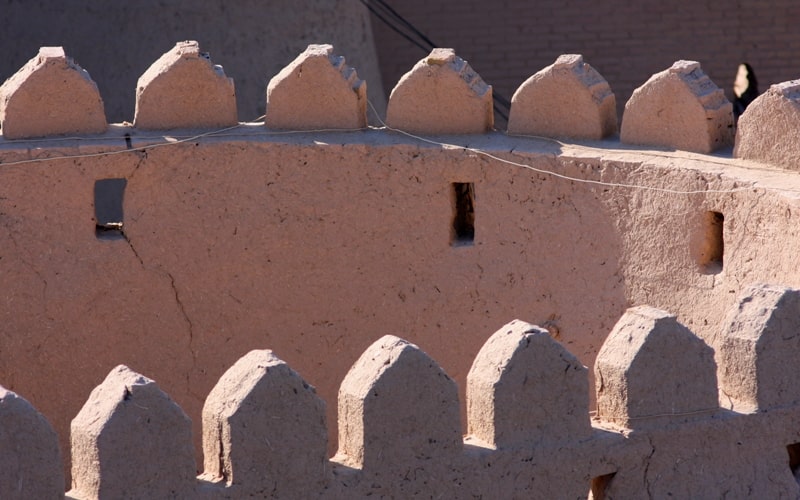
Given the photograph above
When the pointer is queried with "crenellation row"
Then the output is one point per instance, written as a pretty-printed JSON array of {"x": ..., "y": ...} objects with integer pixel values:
[
  {"x": 264, "y": 429},
  {"x": 679, "y": 108}
]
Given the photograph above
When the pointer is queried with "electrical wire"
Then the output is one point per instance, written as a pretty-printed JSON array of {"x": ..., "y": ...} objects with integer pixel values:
[{"x": 227, "y": 131}]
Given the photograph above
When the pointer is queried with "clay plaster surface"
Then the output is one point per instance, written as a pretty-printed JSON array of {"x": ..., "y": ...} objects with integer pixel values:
[
  {"x": 316, "y": 245},
  {"x": 252, "y": 40}
]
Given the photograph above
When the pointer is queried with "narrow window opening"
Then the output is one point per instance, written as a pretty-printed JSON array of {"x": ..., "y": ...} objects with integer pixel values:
[
  {"x": 464, "y": 218},
  {"x": 794, "y": 460},
  {"x": 108, "y": 196},
  {"x": 713, "y": 246},
  {"x": 599, "y": 486}
]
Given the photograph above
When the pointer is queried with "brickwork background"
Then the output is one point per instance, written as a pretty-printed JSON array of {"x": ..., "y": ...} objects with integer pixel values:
[
  {"x": 117, "y": 41},
  {"x": 507, "y": 41}
]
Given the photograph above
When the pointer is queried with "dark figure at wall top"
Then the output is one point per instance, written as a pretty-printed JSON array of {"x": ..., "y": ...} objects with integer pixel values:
[{"x": 745, "y": 88}]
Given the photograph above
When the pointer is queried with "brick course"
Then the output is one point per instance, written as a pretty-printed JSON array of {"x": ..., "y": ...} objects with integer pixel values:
[{"x": 508, "y": 41}]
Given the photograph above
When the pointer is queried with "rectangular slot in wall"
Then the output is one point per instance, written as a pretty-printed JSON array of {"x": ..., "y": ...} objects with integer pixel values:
[
  {"x": 108, "y": 197},
  {"x": 713, "y": 243},
  {"x": 463, "y": 214},
  {"x": 794, "y": 460},
  {"x": 599, "y": 486}
]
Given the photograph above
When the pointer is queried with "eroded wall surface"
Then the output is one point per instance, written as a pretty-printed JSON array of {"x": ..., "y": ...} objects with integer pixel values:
[
  {"x": 659, "y": 430},
  {"x": 252, "y": 40},
  {"x": 317, "y": 243},
  {"x": 506, "y": 41}
]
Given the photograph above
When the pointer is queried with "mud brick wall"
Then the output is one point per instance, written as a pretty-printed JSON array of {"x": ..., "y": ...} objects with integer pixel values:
[
  {"x": 177, "y": 244},
  {"x": 508, "y": 40}
]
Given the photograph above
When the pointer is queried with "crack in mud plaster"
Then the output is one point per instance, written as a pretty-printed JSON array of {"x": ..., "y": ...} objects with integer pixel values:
[
  {"x": 647, "y": 468},
  {"x": 182, "y": 309},
  {"x": 133, "y": 249},
  {"x": 35, "y": 271},
  {"x": 142, "y": 158},
  {"x": 180, "y": 305}
]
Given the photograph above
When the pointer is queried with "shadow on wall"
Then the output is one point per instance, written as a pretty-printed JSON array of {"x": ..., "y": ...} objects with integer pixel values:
[
  {"x": 660, "y": 421},
  {"x": 116, "y": 42}
]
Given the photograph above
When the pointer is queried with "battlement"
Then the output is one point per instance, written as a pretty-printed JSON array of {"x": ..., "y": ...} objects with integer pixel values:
[
  {"x": 677, "y": 108},
  {"x": 659, "y": 427},
  {"x": 177, "y": 251}
]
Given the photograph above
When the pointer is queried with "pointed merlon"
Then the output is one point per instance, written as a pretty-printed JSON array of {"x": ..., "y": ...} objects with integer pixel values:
[
  {"x": 396, "y": 406},
  {"x": 184, "y": 89},
  {"x": 679, "y": 108},
  {"x": 317, "y": 91},
  {"x": 652, "y": 370},
  {"x": 50, "y": 95},
  {"x": 768, "y": 130},
  {"x": 29, "y": 454},
  {"x": 441, "y": 94},
  {"x": 567, "y": 99},
  {"x": 524, "y": 389},
  {"x": 263, "y": 424},
  {"x": 129, "y": 424},
  {"x": 758, "y": 350}
]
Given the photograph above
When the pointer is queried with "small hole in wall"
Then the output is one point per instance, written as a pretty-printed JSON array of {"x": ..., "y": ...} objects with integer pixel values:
[
  {"x": 464, "y": 214},
  {"x": 713, "y": 244},
  {"x": 794, "y": 460},
  {"x": 108, "y": 196},
  {"x": 599, "y": 486}
]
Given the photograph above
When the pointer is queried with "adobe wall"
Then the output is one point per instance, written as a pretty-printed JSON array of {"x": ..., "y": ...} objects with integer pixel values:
[
  {"x": 317, "y": 243},
  {"x": 659, "y": 431},
  {"x": 119, "y": 40},
  {"x": 626, "y": 41}
]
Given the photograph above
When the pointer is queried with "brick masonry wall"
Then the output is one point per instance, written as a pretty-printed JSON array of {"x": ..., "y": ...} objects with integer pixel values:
[
  {"x": 507, "y": 41},
  {"x": 117, "y": 41}
]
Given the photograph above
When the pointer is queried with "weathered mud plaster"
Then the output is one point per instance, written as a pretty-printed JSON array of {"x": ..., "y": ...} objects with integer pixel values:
[
  {"x": 502, "y": 416},
  {"x": 184, "y": 89},
  {"x": 129, "y": 424},
  {"x": 777, "y": 143},
  {"x": 29, "y": 454},
  {"x": 441, "y": 95},
  {"x": 262, "y": 396},
  {"x": 317, "y": 244},
  {"x": 567, "y": 99},
  {"x": 756, "y": 347},
  {"x": 317, "y": 91},
  {"x": 50, "y": 95},
  {"x": 396, "y": 404},
  {"x": 265, "y": 432},
  {"x": 253, "y": 41},
  {"x": 647, "y": 343},
  {"x": 302, "y": 258},
  {"x": 679, "y": 108}
]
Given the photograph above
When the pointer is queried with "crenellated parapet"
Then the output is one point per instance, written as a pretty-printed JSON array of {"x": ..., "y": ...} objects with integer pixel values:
[
  {"x": 399, "y": 430},
  {"x": 758, "y": 344},
  {"x": 184, "y": 89},
  {"x": 317, "y": 91},
  {"x": 175, "y": 251},
  {"x": 29, "y": 453},
  {"x": 652, "y": 369},
  {"x": 678, "y": 108},
  {"x": 397, "y": 405},
  {"x": 767, "y": 131},
  {"x": 50, "y": 95},
  {"x": 519, "y": 364},
  {"x": 262, "y": 396},
  {"x": 129, "y": 424},
  {"x": 567, "y": 99},
  {"x": 441, "y": 94}
]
